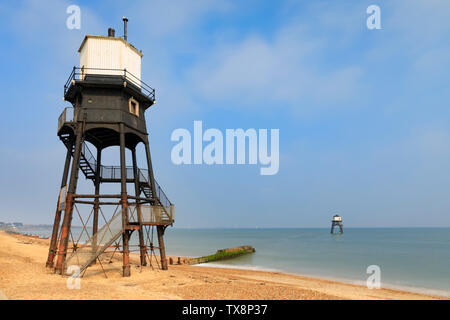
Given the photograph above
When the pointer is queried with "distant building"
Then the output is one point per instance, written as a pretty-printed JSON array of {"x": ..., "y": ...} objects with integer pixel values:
[
  {"x": 17, "y": 224},
  {"x": 8, "y": 226}
]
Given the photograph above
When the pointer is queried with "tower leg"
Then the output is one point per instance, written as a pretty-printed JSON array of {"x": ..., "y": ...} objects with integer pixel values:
[
  {"x": 96, "y": 201},
  {"x": 54, "y": 239},
  {"x": 126, "y": 272},
  {"x": 159, "y": 229},
  {"x": 65, "y": 229},
  {"x": 97, "y": 191},
  {"x": 123, "y": 182},
  {"x": 162, "y": 250},
  {"x": 341, "y": 228},
  {"x": 332, "y": 227},
  {"x": 142, "y": 247}
]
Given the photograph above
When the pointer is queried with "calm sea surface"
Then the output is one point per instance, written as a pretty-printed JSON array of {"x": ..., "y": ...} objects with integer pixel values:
[{"x": 411, "y": 258}]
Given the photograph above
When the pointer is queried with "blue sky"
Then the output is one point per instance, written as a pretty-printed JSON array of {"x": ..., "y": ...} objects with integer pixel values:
[{"x": 363, "y": 114}]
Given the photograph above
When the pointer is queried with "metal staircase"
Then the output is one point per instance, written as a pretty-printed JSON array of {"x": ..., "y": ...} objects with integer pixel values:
[
  {"x": 92, "y": 249},
  {"x": 87, "y": 160},
  {"x": 88, "y": 165},
  {"x": 160, "y": 212}
]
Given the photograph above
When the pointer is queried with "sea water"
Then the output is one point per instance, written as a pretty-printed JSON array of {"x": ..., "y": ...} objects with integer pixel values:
[{"x": 416, "y": 259}]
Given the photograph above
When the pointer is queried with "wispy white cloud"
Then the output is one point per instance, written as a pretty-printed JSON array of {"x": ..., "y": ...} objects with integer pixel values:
[
  {"x": 258, "y": 70},
  {"x": 306, "y": 68}
]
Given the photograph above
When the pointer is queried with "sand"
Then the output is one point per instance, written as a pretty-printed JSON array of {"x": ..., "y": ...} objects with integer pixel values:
[{"x": 23, "y": 276}]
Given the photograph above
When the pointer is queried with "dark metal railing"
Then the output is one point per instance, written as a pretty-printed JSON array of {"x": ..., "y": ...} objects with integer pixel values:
[
  {"x": 62, "y": 119},
  {"x": 66, "y": 116},
  {"x": 114, "y": 172},
  {"x": 165, "y": 202},
  {"x": 88, "y": 157},
  {"x": 79, "y": 74}
]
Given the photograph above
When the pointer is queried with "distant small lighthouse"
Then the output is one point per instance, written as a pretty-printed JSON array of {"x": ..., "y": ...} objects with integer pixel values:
[{"x": 337, "y": 221}]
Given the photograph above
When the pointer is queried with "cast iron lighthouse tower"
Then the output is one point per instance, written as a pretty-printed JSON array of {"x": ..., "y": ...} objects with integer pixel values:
[
  {"x": 109, "y": 101},
  {"x": 337, "y": 221}
]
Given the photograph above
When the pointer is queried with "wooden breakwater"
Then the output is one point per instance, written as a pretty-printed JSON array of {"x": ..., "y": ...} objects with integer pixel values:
[{"x": 223, "y": 254}]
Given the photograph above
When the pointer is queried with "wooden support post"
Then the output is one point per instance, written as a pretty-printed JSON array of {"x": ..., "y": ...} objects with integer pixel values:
[{"x": 54, "y": 239}]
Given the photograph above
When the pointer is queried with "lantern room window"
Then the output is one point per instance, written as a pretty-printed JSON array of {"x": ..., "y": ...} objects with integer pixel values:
[{"x": 133, "y": 107}]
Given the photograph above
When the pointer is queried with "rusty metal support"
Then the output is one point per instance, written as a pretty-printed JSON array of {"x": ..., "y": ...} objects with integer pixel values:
[
  {"x": 96, "y": 201},
  {"x": 54, "y": 239},
  {"x": 123, "y": 185},
  {"x": 159, "y": 229},
  {"x": 100, "y": 203},
  {"x": 143, "y": 248},
  {"x": 84, "y": 196},
  {"x": 65, "y": 229},
  {"x": 162, "y": 249},
  {"x": 111, "y": 196},
  {"x": 97, "y": 191}
]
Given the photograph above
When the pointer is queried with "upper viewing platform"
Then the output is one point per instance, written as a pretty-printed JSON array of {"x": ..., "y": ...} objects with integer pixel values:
[{"x": 103, "y": 77}]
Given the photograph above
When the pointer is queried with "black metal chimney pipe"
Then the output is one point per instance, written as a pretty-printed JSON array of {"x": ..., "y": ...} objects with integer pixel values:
[{"x": 125, "y": 20}]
